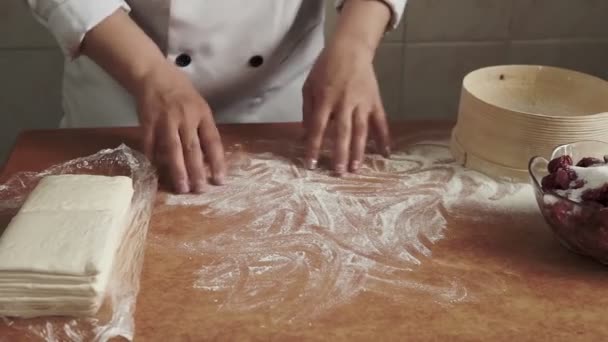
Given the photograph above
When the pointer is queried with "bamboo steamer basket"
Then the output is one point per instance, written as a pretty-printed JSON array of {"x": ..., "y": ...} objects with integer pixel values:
[{"x": 511, "y": 113}]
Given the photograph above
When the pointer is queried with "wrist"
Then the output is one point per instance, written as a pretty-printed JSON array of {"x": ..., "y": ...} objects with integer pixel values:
[
  {"x": 363, "y": 24},
  {"x": 151, "y": 76},
  {"x": 353, "y": 46}
]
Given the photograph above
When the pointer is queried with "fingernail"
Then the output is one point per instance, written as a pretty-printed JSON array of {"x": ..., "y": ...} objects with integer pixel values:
[
  {"x": 200, "y": 186},
  {"x": 311, "y": 164},
  {"x": 182, "y": 187},
  {"x": 218, "y": 179},
  {"x": 387, "y": 152},
  {"x": 340, "y": 169}
]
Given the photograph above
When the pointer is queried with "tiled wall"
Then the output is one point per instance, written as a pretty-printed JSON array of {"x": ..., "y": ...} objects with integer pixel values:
[
  {"x": 420, "y": 66},
  {"x": 445, "y": 39},
  {"x": 30, "y": 74}
]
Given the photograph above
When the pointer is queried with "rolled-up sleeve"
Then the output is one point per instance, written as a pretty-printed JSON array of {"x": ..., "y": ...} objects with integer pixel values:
[
  {"x": 70, "y": 20},
  {"x": 397, "y": 8}
]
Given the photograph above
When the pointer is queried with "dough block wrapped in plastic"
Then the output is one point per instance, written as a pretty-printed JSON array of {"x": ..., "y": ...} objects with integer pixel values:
[{"x": 71, "y": 248}]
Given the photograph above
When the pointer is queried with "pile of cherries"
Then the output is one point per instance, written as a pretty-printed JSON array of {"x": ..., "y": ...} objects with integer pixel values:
[
  {"x": 563, "y": 177},
  {"x": 582, "y": 228}
]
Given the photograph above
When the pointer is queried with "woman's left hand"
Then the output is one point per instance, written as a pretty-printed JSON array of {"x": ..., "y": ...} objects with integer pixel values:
[{"x": 342, "y": 99}]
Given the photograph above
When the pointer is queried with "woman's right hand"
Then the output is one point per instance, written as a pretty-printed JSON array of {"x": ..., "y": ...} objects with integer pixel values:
[{"x": 179, "y": 129}]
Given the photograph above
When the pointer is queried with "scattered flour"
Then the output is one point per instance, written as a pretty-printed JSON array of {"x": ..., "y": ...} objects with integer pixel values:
[{"x": 315, "y": 241}]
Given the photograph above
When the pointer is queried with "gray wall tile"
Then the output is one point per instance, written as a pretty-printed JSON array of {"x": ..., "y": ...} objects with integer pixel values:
[
  {"x": 388, "y": 65},
  {"x": 536, "y": 19},
  {"x": 30, "y": 89},
  {"x": 397, "y": 34},
  {"x": 19, "y": 29},
  {"x": 434, "y": 73},
  {"x": 449, "y": 20},
  {"x": 589, "y": 56}
]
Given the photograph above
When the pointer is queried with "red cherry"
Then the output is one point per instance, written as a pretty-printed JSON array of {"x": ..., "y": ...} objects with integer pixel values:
[
  {"x": 563, "y": 178},
  {"x": 558, "y": 163},
  {"x": 548, "y": 182},
  {"x": 589, "y": 161},
  {"x": 578, "y": 184}
]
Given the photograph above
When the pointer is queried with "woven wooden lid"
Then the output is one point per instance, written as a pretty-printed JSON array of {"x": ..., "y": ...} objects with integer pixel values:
[{"x": 509, "y": 114}]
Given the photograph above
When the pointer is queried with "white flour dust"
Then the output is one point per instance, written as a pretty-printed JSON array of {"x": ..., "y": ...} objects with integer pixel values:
[{"x": 313, "y": 241}]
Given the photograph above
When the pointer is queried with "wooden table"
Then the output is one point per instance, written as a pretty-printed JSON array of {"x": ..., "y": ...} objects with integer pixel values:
[{"x": 520, "y": 284}]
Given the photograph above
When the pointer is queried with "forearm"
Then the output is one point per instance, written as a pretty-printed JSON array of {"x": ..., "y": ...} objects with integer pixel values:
[
  {"x": 123, "y": 50},
  {"x": 363, "y": 24}
]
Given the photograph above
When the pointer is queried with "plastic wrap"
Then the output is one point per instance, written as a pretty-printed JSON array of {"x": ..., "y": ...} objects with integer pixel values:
[{"x": 116, "y": 315}]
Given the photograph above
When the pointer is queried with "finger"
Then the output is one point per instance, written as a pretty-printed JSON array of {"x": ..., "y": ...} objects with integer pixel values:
[
  {"x": 306, "y": 114},
  {"x": 148, "y": 141},
  {"x": 212, "y": 146},
  {"x": 314, "y": 136},
  {"x": 360, "y": 120},
  {"x": 307, "y": 108},
  {"x": 193, "y": 158},
  {"x": 172, "y": 155},
  {"x": 382, "y": 133},
  {"x": 343, "y": 136}
]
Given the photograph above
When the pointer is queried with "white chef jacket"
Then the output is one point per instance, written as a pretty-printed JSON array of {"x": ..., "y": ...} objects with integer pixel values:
[{"x": 247, "y": 58}]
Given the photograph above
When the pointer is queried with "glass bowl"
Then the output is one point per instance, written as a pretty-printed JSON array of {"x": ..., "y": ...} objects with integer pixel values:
[{"x": 580, "y": 227}]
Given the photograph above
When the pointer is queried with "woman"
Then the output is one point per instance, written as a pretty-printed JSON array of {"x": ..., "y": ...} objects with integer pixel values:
[{"x": 177, "y": 67}]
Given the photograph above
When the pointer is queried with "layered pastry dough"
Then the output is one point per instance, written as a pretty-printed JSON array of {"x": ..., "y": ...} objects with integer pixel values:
[{"x": 57, "y": 253}]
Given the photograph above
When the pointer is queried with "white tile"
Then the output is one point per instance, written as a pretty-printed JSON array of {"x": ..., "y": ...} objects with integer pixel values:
[
  {"x": 30, "y": 90},
  {"x": 451, "y": 20},
  {"x": 434, "y": 72},
  {"x": 536, "y": 19},
  {"x": 19, "y": 29},
  {"x": 388, "y": 65}
]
